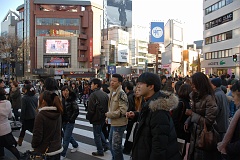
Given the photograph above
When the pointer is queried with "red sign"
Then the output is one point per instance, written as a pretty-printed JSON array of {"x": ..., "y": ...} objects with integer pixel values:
[{"x": 91, "y": 50}]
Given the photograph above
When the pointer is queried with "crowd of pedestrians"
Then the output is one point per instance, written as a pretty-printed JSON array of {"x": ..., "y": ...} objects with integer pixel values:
[{"x": 163, "y": 117}]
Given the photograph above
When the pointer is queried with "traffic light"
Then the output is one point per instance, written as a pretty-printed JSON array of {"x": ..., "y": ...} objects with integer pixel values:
[{"x": 234, "y": 58}]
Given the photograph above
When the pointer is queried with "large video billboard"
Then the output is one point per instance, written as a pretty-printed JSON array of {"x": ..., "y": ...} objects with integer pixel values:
[
  {"x": 57, "y": 46},
  {"x": 119, "y": 12}
]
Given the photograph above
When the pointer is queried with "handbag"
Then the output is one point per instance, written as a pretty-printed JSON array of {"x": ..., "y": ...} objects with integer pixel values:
[
  {"x": 207, "y": 140},
  {"x": 32, "y": 155},
  {"x": 15, "y": 125}
]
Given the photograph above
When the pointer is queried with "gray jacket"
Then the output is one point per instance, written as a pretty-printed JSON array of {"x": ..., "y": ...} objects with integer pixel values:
[{"x": 223, "y": 110}]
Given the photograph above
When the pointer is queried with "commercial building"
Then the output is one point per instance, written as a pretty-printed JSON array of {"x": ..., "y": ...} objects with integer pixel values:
[
  {"x": 62, "y": 38},
  {"x": 173, "y": 42},
  {"x": 221, "y": 36}
]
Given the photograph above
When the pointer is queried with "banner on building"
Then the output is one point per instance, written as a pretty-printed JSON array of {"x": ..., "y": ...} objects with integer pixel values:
[
  {"x": 122, "y": 53},
  {"x": 157, "y": 31}
]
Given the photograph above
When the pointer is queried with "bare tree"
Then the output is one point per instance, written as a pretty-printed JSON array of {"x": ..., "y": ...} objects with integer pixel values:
[{"x": 10, "y": 51}]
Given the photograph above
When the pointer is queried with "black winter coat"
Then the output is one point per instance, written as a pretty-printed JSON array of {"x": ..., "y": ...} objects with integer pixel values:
[
  {"x": 156, "y": 137},
  {"x": 29, "y": 106},
  {"x": 97, "y": 107},
  {"x": 179, "y": 117},
  {"x": 70, "y": 108}
]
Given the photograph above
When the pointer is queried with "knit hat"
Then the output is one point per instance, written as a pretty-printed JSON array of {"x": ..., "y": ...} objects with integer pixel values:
[{"x": 216, "y": 82}]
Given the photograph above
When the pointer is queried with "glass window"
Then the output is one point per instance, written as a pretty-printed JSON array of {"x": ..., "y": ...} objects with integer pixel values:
[
  {"x": 219, "y": 54},
  {"x": 216, "y": 6},
  {"x": 227, "y": 53},
  {"x": 49, "y": 21},
  {"x": 219, "y": 37},
  {"x": 228, "y": 1},
  {"x": 223, "y": 37},
  {"x": 220, "y": 4},
  {"x": 62, "y": 21},
  {"x": 229, "y": 35},
  {"x": 56, "y": 21},
  {"x": 223, "y": 53},
  {"x": 230, "y": 52},
  {"x": 213, "y": 8},
  {"x": 216, "y": 38},
  {"x": 223, "y": 3},
  {"x": 215, "y": 54},
  {"x": 213, "y": 39}
]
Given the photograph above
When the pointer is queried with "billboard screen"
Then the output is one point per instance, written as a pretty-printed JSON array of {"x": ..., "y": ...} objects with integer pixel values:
[
  {"x": 119, "y": 12},
  {"x": 57, "y": 46},
  {"x": 157, "y": 32},
  {"x": 122, "y": 53}
]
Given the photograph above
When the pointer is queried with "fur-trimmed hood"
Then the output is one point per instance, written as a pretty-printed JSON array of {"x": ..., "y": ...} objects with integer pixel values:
[
  {"x": 166, "y": 101},
  {"x": 50, "y": 112}
]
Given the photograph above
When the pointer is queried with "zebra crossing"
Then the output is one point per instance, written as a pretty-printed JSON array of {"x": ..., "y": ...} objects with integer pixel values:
[{"x": 82, "y": 133}]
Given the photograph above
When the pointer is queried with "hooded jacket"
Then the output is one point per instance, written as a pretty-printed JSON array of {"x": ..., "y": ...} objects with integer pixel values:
[
  {"x": 47, "y": 131},
  {"x": 156, "y": 137},
  {"x": 70, "y": 108}
]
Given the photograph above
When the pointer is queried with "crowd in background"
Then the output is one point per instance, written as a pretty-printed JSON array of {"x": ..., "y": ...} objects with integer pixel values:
[{"x": 162, "y": 116}]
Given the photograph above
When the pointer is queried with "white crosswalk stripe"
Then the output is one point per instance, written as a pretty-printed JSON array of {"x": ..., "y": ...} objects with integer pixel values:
[{"x": 83, "y": 147}]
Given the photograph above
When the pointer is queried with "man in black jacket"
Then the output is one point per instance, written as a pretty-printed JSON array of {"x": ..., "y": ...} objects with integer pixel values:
[
  {"x": 155, "y": 137},
  {"x": 98, "y": 106}
]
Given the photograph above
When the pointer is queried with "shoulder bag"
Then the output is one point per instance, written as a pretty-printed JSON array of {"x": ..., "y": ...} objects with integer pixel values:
[{"x": 207, "y": 140}]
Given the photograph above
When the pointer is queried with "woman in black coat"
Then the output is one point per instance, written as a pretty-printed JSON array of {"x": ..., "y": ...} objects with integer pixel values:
[{"x": 28, "y": 111}]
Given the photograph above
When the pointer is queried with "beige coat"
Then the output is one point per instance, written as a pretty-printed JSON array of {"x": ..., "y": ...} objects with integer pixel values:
[{"x": 117, "y": 107}]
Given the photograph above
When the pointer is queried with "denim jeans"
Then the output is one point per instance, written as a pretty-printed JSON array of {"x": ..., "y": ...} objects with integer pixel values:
[
  {"x": 115, "y": 141},
  {"x": 67, "y": 137},
  {"x": 99, "y": 138}
]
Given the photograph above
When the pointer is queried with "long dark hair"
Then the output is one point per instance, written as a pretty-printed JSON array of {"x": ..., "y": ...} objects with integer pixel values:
[
  {"x": 202, "y": 85},
  {"x": 2, "y": 94},
  {"x": 30, "y": 90},
  {"x": 184, "y": 91},
  {"x": 51, "y": 99}
]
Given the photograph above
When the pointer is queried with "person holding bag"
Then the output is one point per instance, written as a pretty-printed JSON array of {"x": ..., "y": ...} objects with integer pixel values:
[
  {"x": 46, "y": 139},
  {"x": 204, "y": 110},
  {"x": 6, "y": 138}
]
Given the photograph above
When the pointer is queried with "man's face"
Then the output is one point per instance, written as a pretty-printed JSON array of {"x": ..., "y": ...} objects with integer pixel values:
[
  {"x": 115, "y": 83},
  {"x": 93, "y": 86},
  {"x": 143, "y": 89}
]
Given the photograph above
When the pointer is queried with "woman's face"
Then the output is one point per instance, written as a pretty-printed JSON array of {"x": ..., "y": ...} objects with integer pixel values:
[
  {"x": 236, "y": 97},
  {"x": 193, "y": 88},
  {"x": 137, "y": 93},
  {"x": 65, "y": 93}
]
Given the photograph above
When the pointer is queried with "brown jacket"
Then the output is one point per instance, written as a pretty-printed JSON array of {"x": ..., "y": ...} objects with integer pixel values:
[
  {"x": 206, "y": 109},
  {"x": 47, "y": 131},
  {"x": 117, "y": 107}
]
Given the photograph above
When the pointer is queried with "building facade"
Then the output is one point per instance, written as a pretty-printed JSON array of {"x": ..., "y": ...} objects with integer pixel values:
[
  {"x": 221, "y": 36},
  {"x": 62, "y": 38}
]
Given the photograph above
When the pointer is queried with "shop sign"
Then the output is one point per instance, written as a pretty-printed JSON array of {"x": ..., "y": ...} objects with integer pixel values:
[
  {"x": 222, "y": 62},
  {"x": 213, "y": 63}
]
